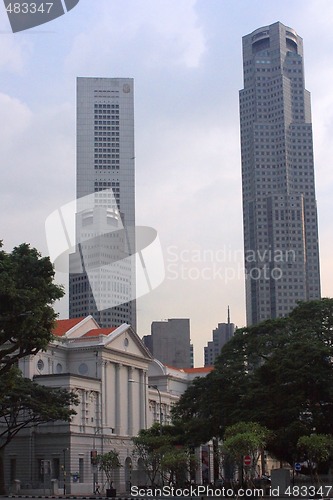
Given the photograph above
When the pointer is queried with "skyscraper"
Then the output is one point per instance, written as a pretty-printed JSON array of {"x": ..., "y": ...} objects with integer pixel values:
[
  {"x": 102, "y": 272},
  {"x": 279, "y": 203},
  {"x": 221, "y": 335},
  {"x": 170, "y": 342}
]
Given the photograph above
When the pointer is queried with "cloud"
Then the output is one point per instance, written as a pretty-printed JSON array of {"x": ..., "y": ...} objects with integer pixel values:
[
  {"x": 14, "y": 53},
  {"x": 17, "y": 118},
  {"x": 166, "y": 33},
  {"x": 37, "y": 156},
  {"x": 183, "y": 161}
]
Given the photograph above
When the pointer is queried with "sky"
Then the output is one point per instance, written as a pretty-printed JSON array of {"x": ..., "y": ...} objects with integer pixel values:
[{"x": 186, "y": 60}]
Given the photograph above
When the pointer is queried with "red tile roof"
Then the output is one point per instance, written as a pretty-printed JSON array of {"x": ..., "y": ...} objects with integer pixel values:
[
  {"x": 63, "y": 325},
  {"x": 99, "y": 331},
  {"x": 202, "y": 369}
]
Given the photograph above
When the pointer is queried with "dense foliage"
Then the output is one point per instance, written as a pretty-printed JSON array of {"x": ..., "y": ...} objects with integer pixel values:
[
  {"x": 278, "y": 373},
  {"x": 108, "y": 463},
  {"x": 164, "y": 457},
  {"x": 23, "y": 403},
  {"x": 27, "y": 293}
]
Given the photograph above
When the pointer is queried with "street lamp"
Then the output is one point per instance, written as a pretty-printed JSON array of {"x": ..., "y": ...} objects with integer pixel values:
[
  {"x": 64, "y": 452},
  {"x": 94, "y": 459}
]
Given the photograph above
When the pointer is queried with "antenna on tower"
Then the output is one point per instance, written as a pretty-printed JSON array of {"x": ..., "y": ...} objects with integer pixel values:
[{"x": 228, "y": 315}]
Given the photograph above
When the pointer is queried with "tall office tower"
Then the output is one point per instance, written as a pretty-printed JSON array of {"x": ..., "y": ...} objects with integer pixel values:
[
  {"x": 170, "y": 342},
  {"x": 221, "y": 335},
  {"x": 102, "y": 269},
  {"x": 279, "y": 203}
]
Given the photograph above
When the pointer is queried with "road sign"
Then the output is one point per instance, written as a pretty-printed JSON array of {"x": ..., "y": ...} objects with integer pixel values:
[
  {"x": 297, "y": 467},
  {"x": 247, "y": 461}
]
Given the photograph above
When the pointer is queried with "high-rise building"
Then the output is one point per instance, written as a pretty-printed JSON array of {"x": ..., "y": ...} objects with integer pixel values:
[
  {"x": 221, "y": 335},
  {"x": 170, "y": 342},
  {"x": 279, "y": 203},
  {"x": 102, "y": 269}
]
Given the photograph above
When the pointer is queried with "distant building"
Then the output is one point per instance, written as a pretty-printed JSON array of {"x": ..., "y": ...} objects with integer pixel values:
[
  {"x": 170, "y": 342},
  {"x": 221, "y": 335}
]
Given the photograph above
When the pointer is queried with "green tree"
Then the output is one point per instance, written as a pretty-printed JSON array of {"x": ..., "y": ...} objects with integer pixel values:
[
  {"x": 177, "y": 463},
  {"x": 149, "y": 446},
  {"x": 294, "y": 389},
  {"x": 278, "y": 373},
  {"x": 219, "y": 400},
  {"x": 24, "y": 404},
  {"x": 245, "y": 438},
  {"x": 164, "y": 455},
  {"x": 108, "y": 463},
  {"x": 27, "y": 293},
  {"x": 316, "y": 449},
  {"x": 196, "y": 415}
]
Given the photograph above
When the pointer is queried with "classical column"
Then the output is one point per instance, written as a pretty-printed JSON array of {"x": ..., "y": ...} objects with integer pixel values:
[
  {"x": 105, "y": 406},
  {"x": 142, "y": 399},
  {"x": 117, "y": 398},
  {"x": 129, "y": 401}
]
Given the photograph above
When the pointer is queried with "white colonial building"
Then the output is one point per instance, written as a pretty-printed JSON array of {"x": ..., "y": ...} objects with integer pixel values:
[{"x": 121, "y": 390}]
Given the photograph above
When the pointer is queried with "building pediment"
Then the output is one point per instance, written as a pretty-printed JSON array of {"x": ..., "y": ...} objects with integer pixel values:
[
  {"x": 85, "y": 332},
  {"x": 125, "y": 340}
]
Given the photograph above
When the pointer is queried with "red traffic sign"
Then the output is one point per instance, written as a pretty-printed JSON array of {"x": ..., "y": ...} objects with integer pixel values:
[{"x": 247, "y": 461}]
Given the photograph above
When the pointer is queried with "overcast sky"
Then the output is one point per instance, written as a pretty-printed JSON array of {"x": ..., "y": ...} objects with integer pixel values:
[{"x": 185, "y": 57}]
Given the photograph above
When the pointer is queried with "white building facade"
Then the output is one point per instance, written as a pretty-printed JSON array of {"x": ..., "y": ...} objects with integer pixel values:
[{"x": 121, "y": 390}]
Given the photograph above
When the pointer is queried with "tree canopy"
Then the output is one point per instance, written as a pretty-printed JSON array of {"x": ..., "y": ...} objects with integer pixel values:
[
  {"x": 108, "y": 463},
  {"x": 27, "y": 293},
  {"x": 245, "y": 439},
  {"x": 24, "y": 403},
  {"x": 316, "y": 449},
  {"x": 149, "y": 446},
  {"x": 164, "y": 456},
  {"x": 278, "y": 373}
]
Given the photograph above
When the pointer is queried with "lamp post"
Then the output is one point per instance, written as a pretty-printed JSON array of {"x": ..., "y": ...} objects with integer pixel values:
[
  {"x": 94, "y": 458},
  {"x": 64, "y": 452}
]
